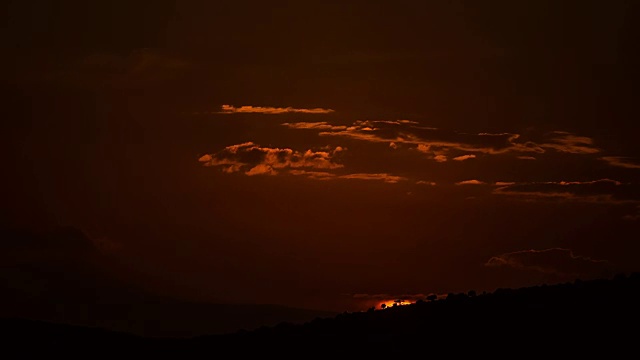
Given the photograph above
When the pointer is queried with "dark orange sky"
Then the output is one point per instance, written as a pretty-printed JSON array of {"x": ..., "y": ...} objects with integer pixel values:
[{"x": 328, "y": 154}]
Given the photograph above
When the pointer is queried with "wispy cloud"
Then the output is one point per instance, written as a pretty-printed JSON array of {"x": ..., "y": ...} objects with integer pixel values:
[
  {"x": 470, "y": 182},
  {"x": 557, "y": 261},
  {"x": 388, "y": 178},
  {"x": 620, "y": 161},
  {"x": 230, "y": 109},
  {"x": 464, "y": 157},
  {"x": 570, "y": 143},
  {"x": 597, "y": 191},
  {"x": 633, "y": 217},
  {"x": 381, "y": 176},
  {"x": 314, "y": 126},
  {"x": 441, "y": 144},
  {"x": 423, "y": 182},
  {"x": 504, "y": 183}
]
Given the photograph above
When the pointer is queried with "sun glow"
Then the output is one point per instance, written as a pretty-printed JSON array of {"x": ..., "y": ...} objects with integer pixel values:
[{"x": 391, "y": 303}]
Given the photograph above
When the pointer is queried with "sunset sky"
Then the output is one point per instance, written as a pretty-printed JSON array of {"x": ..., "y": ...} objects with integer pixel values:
[{"x": 327, "y": 154}]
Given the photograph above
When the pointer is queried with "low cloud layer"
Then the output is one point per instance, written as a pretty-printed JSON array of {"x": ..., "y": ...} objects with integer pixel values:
[
  {"x": 555, "y": 261},
  {"x": 596, "y": 191},
  {"x": 230, "y": 109},
  {"x": 253, "y": 159},
  {"x": 620, "y": 161}
]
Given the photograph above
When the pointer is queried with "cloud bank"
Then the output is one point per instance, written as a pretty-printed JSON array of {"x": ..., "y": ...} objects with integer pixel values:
[
  {"x": 441, "y": 144},
  {"x": 252, "y": 159}
]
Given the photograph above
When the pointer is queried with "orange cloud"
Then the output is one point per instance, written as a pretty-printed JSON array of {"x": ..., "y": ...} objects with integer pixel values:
[
  {"x": 319, "y": 175},
  {"x": 471, "y": 182},
  {"x": 253, "y": 159},
  {"x": 440, "y": 158},
  {"x": 464, "y": 157},
  {"x": 423, "y": 148},
  {"x": 261, "y": 169},
  {"x": 440, "y": 142},
  {"x": 323, "y": 125},
  {"x": 526, "y": 158},
  {"x": 570, "y": 143},
  {"x": 257, "y": 160},
  {"x": 381, "y": 176},
  {"x": 620, "y": 161},
  {"x": 230, "y": 109}
]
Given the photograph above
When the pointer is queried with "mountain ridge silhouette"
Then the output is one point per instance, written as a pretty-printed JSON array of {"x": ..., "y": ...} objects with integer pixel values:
[{"x": 581, "y": 317}]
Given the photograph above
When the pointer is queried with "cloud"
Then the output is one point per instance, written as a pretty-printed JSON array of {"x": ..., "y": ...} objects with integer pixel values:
[
  {"x": 504, "y": 183},
  {"x": 381, "y": 176},
  {"x": 471, "y": 182},
  {"x": 423, "y": 148},
  {"x": 633, "y": 217},
  {"x": 620, "y": 161},
  {"x": 257, "y": 160},
  {"x": 253, "y": 159},
  {"x": 596, "y": 191},
  {"x": 570, "y": 143},
  {"x": 314, "y": 126},
  {"x": 441, "y": 143},
  {"x": 393, "y": 145},
  {"x": 464, "y": 157},
  {"x": 261, "y": 169},
  {"x": 318, "y": 175},
  {"x": 230, "y": 109},
  {"x": 423, "y": 182},
  {"x": 557, "y": 261}
]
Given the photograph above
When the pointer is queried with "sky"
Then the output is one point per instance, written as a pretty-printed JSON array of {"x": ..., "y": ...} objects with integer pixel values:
[{"x": 327, "y": 154}]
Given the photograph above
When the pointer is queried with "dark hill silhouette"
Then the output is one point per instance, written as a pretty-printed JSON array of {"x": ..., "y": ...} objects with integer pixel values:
[
  {"x": 59, "y": 276},
  {"x": 579, "y": 318}
]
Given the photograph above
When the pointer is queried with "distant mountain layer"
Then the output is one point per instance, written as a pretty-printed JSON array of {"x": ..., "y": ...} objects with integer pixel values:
[
  {"x": 59, "y": 276},
  {"x": 159, "y": 317},
  {"x": 580, "y": 317}
]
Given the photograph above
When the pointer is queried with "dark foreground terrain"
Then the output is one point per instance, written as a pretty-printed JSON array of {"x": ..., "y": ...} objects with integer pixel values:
[{"x": 577, "y": 319}]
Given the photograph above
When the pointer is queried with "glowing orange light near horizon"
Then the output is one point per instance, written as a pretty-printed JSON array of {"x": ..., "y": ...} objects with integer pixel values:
[{"x": 392, "y": 302}]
